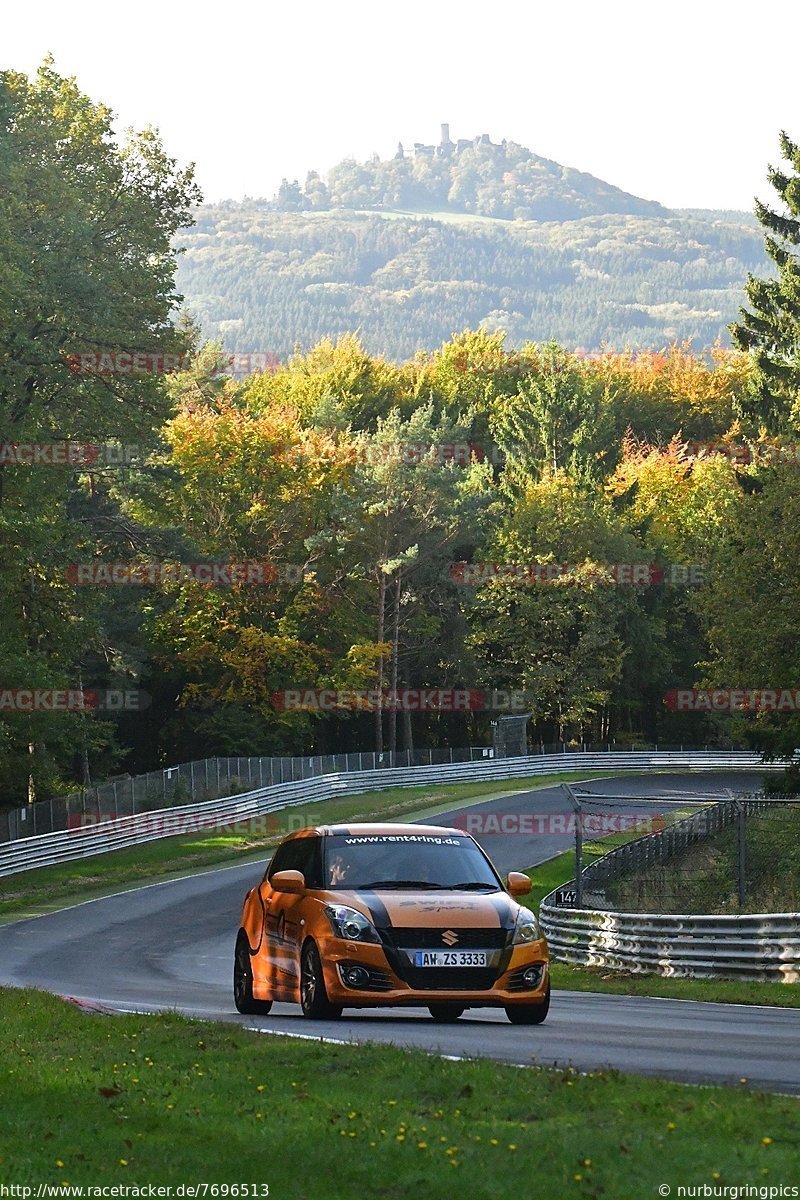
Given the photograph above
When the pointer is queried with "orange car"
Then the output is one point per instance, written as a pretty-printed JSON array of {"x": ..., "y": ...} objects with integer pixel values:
[{"x": 360, "y": 916}]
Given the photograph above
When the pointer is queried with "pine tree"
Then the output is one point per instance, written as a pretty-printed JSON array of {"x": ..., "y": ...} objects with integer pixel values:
[{"x": 770, "y": 329}]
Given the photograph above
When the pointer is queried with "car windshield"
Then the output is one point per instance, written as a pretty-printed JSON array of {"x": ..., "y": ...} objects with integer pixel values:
[{"x": 360, "y": 862}]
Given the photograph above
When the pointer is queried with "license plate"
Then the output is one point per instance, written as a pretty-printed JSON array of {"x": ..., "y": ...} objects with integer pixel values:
[{"x": 451, "y": 958}]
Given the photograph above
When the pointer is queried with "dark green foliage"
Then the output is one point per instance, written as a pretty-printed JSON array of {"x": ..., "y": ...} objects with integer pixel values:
[{"x": 770, "y": 327}]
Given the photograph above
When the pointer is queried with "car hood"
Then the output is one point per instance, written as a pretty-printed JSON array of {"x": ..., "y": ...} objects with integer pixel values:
[{"x": 415, "y": 908}]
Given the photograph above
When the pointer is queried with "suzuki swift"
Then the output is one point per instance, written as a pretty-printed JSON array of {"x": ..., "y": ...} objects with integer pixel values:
[{"x": 361, "y": 916}]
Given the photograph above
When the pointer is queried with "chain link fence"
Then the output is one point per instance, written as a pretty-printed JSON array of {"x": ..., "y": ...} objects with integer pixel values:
[
  {"x": 205, "y": 779},
  {"x": 740, "y": 854},
  {"x": 211, "y": 778}
]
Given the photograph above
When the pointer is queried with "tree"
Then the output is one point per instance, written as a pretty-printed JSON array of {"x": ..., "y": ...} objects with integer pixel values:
[
  {"x": 770, "y": 329},
  {"x": 87, "y": 266}
]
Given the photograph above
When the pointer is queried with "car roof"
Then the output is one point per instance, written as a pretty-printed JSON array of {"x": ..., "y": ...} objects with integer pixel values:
[{"x": 371, "y": 828}]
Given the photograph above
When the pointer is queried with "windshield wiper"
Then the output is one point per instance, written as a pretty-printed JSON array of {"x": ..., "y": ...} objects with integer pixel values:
[{"x": 473, "y": 886}]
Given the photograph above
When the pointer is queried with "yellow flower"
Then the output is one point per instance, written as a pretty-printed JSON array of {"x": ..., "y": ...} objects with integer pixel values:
[
  {"x": 670, "y": 1125},
  {"x": 260, "y": 1087},
  {"x": 511, "y": 1146},
  {"x": 767, "y": 1141},
  {"x": 578, "y": 1178},
  {"x": 123, "y": 1162},
  {"x": 422, "y": 1145},
  {"x": 59, "y": 1163},
  {"x": 401, "y": 1137},
  {"x": 492, "y": 1141},
  {"x": 587, "y": 1162},
  {"x": 170, "y": 1106}
]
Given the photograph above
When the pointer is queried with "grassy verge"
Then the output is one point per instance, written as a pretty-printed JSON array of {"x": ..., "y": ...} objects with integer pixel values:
[
  {"x": 600, "y": 979},
  {"x": 48, "y": 888},
  {"x": 95, "y": 1100}
]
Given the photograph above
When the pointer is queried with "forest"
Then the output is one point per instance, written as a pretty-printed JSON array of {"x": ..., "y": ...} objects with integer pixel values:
[
  {"x": 409, "y": 250},
  {"x": 602, "y": 536}
]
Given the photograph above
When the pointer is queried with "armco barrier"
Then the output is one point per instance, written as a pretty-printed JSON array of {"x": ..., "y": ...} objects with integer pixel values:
[
  {"x": 763, "y": 946},
  {"x": 69, "y": 845}
]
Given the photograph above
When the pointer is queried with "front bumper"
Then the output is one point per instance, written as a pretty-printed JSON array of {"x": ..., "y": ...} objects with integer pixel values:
[{"x": 392, "y": 980}]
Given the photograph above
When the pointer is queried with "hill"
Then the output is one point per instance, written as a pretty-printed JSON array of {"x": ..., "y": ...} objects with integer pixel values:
[{"x": 408, "y": 250}]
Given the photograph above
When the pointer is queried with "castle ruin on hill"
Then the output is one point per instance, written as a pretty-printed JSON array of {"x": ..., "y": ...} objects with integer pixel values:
[{"x": 446, "y": 147}]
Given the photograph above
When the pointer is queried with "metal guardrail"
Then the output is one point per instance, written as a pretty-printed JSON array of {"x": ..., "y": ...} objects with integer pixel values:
[
  {"x": 760, "y": 946},
  {"x": 209, "y": 779},
  {"x": 763, "y": 946},
  {"x": 97, "y": 838}
]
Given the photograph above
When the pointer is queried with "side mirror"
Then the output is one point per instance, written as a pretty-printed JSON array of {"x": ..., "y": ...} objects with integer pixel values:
[
  {"x": 293, "y": 882},
  {"x": 518, "y": 884}
]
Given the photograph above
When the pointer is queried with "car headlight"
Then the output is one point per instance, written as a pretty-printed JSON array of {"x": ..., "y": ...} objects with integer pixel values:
[
  {"x": 350, "y": 924},
  {"x": 526, "y": 928}
]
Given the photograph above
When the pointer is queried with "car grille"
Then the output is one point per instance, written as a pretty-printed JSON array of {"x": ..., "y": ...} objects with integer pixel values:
[
  {"x": 428, "y": 979},
  {"x": 431, "y": 938}
]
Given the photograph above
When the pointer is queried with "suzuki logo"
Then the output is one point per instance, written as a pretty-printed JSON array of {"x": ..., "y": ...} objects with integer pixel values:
[{"x": 449, "y": 938}]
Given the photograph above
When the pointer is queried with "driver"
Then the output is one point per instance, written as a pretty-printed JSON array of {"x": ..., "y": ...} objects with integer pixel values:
[{"x": 340, "y": 870}]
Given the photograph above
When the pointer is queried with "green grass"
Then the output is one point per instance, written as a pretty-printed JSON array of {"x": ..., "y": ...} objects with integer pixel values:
[
  {"x": 96, "y": 1100},
  {"x": 47, "y": 888}
]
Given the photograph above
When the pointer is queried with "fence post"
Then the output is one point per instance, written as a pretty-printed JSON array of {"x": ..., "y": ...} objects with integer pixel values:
[
  {"x": 576, "y": 805},
  {"x": 740, "y": 818}
]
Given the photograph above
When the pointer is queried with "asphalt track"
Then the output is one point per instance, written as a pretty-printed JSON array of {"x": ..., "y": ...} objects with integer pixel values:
[{"x": 170, "y": 945}]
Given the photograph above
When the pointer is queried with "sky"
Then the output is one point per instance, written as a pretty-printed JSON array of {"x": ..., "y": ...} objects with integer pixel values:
[{"x": 678, "y": 102}]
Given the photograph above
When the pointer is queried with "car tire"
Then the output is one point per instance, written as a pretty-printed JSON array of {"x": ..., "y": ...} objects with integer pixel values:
[
  {"x": 313, "y": 996},
  {"x": 529, "y": 1014},
  {"x": 243, "y": 980},
  {"x": 446, "y": 1012}
]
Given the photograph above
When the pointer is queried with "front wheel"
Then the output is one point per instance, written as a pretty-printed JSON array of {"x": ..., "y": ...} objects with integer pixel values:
[
  {"x": 313, "y": 996},
  {"x": 243, "y": 980},
  {"x": 445, "y": 1012},
  {"x": 529, "y": 1014}
]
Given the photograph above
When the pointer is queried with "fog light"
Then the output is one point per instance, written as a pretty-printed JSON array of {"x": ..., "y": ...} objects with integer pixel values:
[
  {"x": 532, "y": 977},
  {"x": 355, "y": 976}
]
